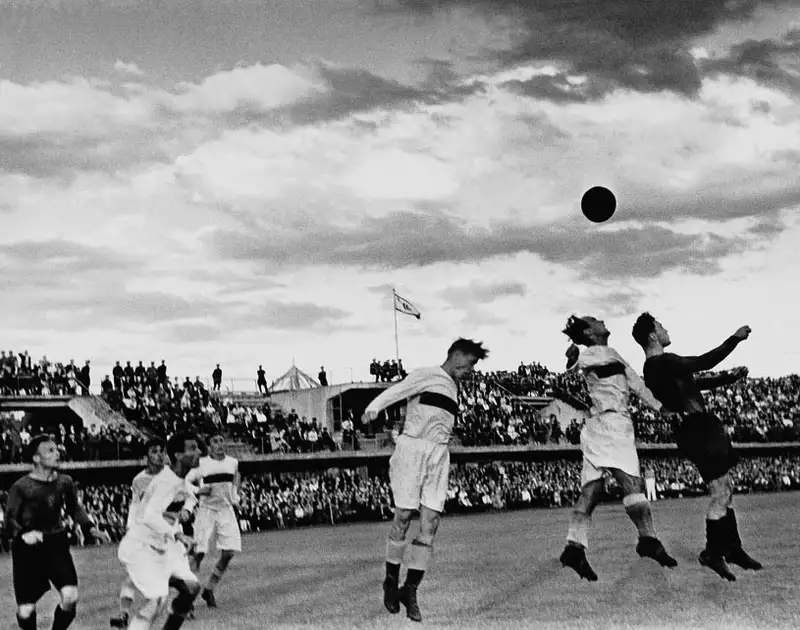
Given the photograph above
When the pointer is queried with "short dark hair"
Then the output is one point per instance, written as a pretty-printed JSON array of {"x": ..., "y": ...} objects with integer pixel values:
[
  {"x": 468, "y": 346},
  {"x": 213, "y": 434},
  {"x": 177, "y": 443},
  {"x": 576, "y": 330},
  {"x": 644, "y": 325},
  {"x": 154, "y": 442},
  {"x": 35, "y": 443}
]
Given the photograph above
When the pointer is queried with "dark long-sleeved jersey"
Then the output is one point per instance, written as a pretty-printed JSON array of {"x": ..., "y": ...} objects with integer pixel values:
[
  {"x": 671, "y": 377},
  {"x": 35, "y": 505}
]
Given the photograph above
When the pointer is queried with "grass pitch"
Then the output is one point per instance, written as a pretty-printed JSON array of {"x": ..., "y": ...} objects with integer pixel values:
[{"x": 496, "y": 570}]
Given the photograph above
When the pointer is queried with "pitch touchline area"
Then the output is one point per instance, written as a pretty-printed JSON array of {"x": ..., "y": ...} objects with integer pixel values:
[{"x": 497, "y": 570}]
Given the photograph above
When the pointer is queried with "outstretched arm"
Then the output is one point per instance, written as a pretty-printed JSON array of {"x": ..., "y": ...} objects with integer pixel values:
[
  {"x": 412, "y": 385},
  {"x": 721, "y": 380},
  {"x": 636, "y": 384},
  {"x": 713, "y": 358}
]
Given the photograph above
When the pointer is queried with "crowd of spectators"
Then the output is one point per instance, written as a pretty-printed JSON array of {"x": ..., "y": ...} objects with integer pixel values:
[
  {"x": 387, "y": 371},
  {"x": 20, "y": 374},
  {"x": 277, "y": 501}
]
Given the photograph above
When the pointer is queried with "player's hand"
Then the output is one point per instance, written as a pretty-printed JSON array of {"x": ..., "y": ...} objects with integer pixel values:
[
  {"x": 99, "y": 534},
  {"x": 394, "y": 434},
  {"x": 185, "y": 540},
  {"x": 572, "y": 354},
  {"x": 204, "y": 491},
  {"x": 743, "y": 333},
  {"x": 739, "y": 373},
  {"x": 184, "y": 516},
  {"x": 32, "y": 537},
  {"x": 369, "y": 416}
]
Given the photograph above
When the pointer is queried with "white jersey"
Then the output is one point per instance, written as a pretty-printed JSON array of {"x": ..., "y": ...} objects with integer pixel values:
[
  {"x": 607, "y": 438},
  {"x": 139, "y": 486},
  {"x": 156, "y": 520},
  {"x": 220, "y": 475},
  {"x": 432, "y": 396}
]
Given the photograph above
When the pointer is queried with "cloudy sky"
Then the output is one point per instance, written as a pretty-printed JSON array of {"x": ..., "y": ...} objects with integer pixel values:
[{"x": 244, "y": 182}]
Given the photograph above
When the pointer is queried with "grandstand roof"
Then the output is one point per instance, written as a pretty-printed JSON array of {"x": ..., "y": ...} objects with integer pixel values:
[{"x": 292, "y": 380}]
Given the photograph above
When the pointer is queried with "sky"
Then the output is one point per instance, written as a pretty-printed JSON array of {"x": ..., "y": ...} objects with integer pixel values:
[{"x": 244, "y": 183}]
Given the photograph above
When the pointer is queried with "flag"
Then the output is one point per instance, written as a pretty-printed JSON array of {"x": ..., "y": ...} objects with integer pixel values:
[{"x": 404, "y": 306}]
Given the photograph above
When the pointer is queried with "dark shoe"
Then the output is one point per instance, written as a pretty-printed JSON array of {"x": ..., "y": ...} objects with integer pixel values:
[
  {"x": 408, "y": 597},
  {"x": 650, "y": 547},
  {"x": 716, "y": 564},
  {"x": 741, "y": 558},
  {"x": 391, "y": 596},
  {"x": 208, "y": 598},
  {"x": 190, "y": 615},
  {"x": 119, "y": 622},
  {"x": 574, "y": 557}
]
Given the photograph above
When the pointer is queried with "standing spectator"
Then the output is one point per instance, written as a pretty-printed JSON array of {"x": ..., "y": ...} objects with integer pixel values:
[
  {"x": 85, "y": 379},
  {"x": 216, "y": 376},
  {"x": 161, "y": 371},
  {"x": 262, "y": 381},
  {"x": 118, "y": 373},
  {"x": 323, "y": 376}
]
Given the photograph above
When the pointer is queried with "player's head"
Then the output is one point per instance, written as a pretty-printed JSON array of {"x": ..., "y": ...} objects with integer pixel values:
[
  {"x": 462, "y": 356},
  {"x": 648, "y": 331},
  {"x": 216, "y": 445},
  {"x": 156, "y": 455},
  {"x": 586, "y": 330},
  {"x": 43, "y": 452},
  {"x": 184, "y": 449}
]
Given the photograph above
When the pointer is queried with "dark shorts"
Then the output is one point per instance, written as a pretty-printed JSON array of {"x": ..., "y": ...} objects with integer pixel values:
[
  {"x": 35, "y": 567},
  {"x": 702, "y": 439}
]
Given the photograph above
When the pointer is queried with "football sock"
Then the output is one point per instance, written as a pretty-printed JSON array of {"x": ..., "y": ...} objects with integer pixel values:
[
  {"x": 638, "y": 508},
  {"x": 63, "y": 618},
  {"x": 27, "y": 624},
  {"x": 578, "y": 533}
]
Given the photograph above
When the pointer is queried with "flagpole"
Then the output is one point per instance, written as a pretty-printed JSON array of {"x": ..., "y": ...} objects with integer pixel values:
[{"x": 394, "y": 310}]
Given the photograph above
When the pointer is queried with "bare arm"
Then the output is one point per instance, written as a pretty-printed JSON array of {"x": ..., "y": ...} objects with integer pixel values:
[{"x": 636, "y": 384}]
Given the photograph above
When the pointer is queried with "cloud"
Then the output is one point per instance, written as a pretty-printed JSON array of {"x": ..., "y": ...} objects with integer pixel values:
[
  {"x": 482, "y": 293},
  {"x": 408, "y": 240},
  {"x": 617, "y": 43},
  {"x": 298, "y": 315},
  {"x": 128, "y": 68},
  {"x": 769, "y": 62}
]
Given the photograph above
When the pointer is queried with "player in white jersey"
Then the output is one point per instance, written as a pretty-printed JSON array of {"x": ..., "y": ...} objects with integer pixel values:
[
  {"x": 608, "y": 444},
  {"x": 218, "y": 477},
  {"x": 155, "y": 464},
  {"x": 420, "y": 465},
  {"x": 153, "y": 550}
]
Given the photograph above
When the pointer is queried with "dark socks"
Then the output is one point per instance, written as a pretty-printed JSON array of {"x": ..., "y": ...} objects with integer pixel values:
[
  {"x": 63, "y": 618},
  {"x": 27, "y": 624}
]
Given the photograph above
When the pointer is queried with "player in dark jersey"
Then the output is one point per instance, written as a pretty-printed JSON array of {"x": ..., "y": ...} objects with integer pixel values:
[
  {"x": 700, "y": 435},
  {"x": 40, "y": 547}
]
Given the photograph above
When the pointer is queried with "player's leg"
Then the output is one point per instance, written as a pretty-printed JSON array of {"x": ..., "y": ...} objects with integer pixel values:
[
  {"x": 144, "y": 617},
  {"x": 734, "y": 554},
  {"x": 229, "y": 543},
  {"x": 574, "y": 554},
  {"x": 127, "y": 593},
  {"x": 149, "y": 571},
  {"x": 405, "y": 477},
  {"x": 203, "y": 531},
  {"x": 433, "y": 494},
  {"x": 717, "y": 534},
  {"x": 638, "y": 509},
  {"x": 65, "y": 579},
  {"x": 31, "y": 581},
  {"x": 418, "y": 558}
]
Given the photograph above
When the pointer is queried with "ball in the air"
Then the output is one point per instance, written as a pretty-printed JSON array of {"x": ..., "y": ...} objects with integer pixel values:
[{"x": 598, "y": 204}]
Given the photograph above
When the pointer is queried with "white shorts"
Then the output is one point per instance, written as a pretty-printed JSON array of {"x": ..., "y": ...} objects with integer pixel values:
[
  {"x": 221, "y": 526},
  {"x": 603, "y": 451},
  {"x": 418, "y": 472},
  {"x": 150, "y": 569}
]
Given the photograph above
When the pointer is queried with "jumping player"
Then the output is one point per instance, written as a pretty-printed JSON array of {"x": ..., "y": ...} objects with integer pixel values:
[
  {"x": 608, "y": 444},
  {"x": 700, "y": 435},
  {"x": 40, "y": 547},
  {"x": 153, "y": 550},
  {"x": 420, "y": 465},
  {"x": 218, "y": 475}
]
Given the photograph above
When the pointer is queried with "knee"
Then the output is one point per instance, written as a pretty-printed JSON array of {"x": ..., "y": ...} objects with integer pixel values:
[
  {"x": 25, "y": 611},
  {"x": 151, "y": 608},
  {"x": 428, "y": 527},
  {"x": 69, "y": 597},
  {"x": 193, "y": 588},
  {"x": 402, "y": 521}
]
